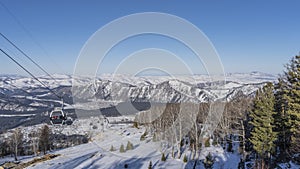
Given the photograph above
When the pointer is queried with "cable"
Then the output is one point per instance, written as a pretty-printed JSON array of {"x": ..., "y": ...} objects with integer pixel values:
[
  {"x": 27, "y": 57},
  {"x": 27, "y": 32},
  {"x": 30, "y": 73}
]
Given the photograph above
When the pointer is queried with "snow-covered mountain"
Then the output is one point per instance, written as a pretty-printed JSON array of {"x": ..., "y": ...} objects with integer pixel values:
[{"x": 21, "y": 94}]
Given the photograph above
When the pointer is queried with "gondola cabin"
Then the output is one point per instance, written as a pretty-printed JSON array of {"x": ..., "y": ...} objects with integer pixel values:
[{"x": 57, "y": 116}]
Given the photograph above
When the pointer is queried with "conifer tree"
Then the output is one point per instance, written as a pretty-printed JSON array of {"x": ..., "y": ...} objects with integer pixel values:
[
  {"x": 262, "y": 120},
  {"x": 122, "y": 149},
  {"x": 129, "y": 146},
  {"x": 150, "y": 165},
  {"x": 280, "y": 118},
  {"x": 289, "y": 106},
  {"x": 163, "y": 157}
]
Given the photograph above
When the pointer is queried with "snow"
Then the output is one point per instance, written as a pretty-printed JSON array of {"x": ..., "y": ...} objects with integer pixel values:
[
  {"x": 97, "y": 154},
  {"x": 16, "y": 115}
]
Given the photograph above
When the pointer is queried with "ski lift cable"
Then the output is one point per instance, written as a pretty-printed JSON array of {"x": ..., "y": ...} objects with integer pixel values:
[
  {"x": 16, "y": 62},
  {"x": 28, "y": 57},
  {"x": 27, "y": 32}
]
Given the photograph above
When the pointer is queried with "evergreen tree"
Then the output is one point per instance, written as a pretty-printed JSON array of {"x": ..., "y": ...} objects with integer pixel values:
[
  {"x": 122, "y": 150},
  {"x": 185, "y": 159},
  {"x": 263, "y": 134},
  {"x": 280, "y": 118},
  {"x": 150, "y": 165},
  {"x": 129, "y": 146},
  {"x": 163, "y": 157},
  {"x": 112, "y": 148},
  {"x": 207, "y": 143},
  {"x": 209, "y": 161},
  {"x": 288, "y": 107}
]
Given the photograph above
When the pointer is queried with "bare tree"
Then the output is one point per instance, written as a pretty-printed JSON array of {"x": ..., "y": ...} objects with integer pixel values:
[
  {"x": 34, "y": 139},
  {"x": 16, "y": 142},
  {"x": 44, "y": 139}
]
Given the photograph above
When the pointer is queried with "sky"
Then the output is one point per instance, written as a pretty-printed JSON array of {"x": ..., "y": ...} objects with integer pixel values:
[{"x": 247, "y": 35}]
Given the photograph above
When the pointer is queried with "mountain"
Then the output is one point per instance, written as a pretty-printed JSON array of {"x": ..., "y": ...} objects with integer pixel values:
[{"x": 22, "y": 94}]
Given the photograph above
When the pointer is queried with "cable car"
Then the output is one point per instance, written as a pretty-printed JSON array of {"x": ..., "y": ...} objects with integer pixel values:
[{"x": 57, "y": 116}]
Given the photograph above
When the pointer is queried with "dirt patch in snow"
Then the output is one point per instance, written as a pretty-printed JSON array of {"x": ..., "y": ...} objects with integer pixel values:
[{"x": 20, "y": 165}]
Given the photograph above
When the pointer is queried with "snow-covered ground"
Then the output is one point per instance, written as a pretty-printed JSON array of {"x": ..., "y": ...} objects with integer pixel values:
[{"x": 97, "y": 153}]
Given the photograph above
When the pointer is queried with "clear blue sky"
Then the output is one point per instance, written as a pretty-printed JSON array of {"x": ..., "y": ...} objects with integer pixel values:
[{"x": 248, "y": 35}]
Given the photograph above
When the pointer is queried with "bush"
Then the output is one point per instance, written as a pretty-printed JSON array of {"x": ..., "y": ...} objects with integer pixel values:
[
  {"x": 209, "y": 161},
  {"x": 143, "y": 136},
  {"x": 182, "y": 143},
  {"x": 214, "y": 143},
  {"x": 185, "y": 159},
  {"x": 135, "y": 125},
  {"x": 229, "y": 148},
  {"x": 122, "y": 150},
  {"x": 150, "y": 165},
  {"x": 129, "y": 146},
  {"x": 112, "y": 148},
  {"x": 207, "y": 143},
  {"x": 163, "y": 157}
]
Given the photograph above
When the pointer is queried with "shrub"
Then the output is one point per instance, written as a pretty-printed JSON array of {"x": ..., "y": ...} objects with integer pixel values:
[
  {"x": 182, "y": 143},
  {"x": 135, "y": 125},
  {"x": 207, "y": 143},
  {"x": 163, "y": 157},
  {"x": 112, "y": 148},
  {"x": 143, "y": 136},
  {"x": 185, "y": 159},
  {"x": 122, "y": 150},
  {"x": 209, "y": 161},
  {"x": 150, "y": 165},
  {"x": 129, "y": 146},
  {"x": 214, "y": 143},
  {"x": 229, "y": 148}
]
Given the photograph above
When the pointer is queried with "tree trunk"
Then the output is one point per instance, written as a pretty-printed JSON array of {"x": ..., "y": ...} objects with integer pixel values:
[{"x": 243, "y": 142}]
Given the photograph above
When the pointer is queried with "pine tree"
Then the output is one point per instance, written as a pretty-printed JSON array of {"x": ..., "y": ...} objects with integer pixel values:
[
  {"x": 112, "y": 148},
  {"x": 262, "y": 120},
  {"x": 122, "y": 150},
  {"x": 163, "y": 157},
  {"x": 129, "y": 146},
  {"x": 280, "y": 118},
  {"x": 288, "y": 107},
  {"x": 185, "y": 159},
  {"x": 207, "y": 143},
  {"x": 150, "y": 165},
  {"x": 209, "y": 161}
]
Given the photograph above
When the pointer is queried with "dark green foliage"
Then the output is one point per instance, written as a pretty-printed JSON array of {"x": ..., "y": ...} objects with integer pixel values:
[
  {"x": 129, "y": 146},
  {"x": 262, "y": 134},
  {"x": 241, "y": 164},
  {"x": 135, "y": 125},
  {"x": 288, "y": 108},
  {"x": 215, "y": 142},
  {"x": 112, "y": 148},
  {"x": 122, "y": 150},
  {"x": 150, "y": 165},
  {"x": 163, "y": 157},
  {"x": 185, "y": 159},
  {"x": 209, "y": 161},
  {"x": 230, "y": 147},
  {"x": 207, "y": 143},
  {"x": 143, "y": 136}
]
